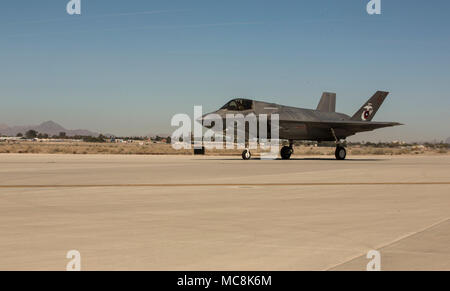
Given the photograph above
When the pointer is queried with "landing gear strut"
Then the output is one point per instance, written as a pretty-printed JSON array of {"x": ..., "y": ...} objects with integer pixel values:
[
  {"x": 287, "y": 151},
  {"x": 340, "y": 152}
]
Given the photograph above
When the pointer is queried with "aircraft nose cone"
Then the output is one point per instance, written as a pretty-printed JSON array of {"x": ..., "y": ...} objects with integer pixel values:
[{"x": 202, "y": 119}]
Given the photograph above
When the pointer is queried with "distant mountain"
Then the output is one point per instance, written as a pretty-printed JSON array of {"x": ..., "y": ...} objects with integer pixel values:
[
  {"x": 48, "y": 127},
  {"x": 3, "y": 127}
]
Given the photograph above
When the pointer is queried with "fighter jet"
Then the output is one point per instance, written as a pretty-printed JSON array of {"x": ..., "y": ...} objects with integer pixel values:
[{"x": 321, "y": 124}]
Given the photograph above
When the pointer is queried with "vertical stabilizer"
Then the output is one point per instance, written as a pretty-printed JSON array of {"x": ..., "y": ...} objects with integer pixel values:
[
  {"x": 327, "y": 102},
  {"x": 368, "y": 110}
]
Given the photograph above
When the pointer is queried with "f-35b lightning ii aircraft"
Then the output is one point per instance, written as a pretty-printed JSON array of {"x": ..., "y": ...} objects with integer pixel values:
[{"x": 321, "y": 124}]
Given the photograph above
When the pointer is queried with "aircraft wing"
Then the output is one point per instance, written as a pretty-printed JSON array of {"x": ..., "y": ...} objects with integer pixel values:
[
  {"x": 361, "y": 125},
  {"x": 342, "y": 128}
]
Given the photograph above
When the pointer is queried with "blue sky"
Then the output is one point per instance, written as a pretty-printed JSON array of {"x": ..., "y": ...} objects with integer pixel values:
[{"x": 126, "y": 67}]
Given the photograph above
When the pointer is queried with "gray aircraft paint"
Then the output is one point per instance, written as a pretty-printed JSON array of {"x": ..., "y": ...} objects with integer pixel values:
[
  {"x": 317, "y": 125},
  {"x": 327, "y": 103}
]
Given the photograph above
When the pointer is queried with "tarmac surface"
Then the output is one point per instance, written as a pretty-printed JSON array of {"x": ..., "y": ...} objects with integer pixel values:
[{"x": 125, "y": 212}]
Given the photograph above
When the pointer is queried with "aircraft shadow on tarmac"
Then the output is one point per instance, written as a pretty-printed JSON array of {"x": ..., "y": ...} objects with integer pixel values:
[
  {"x": 333, "y": 159},
  {"x": 299, "y": 159}
]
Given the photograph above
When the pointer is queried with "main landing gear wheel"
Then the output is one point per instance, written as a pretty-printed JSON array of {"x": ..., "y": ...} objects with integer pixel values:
[
  {"x": 286, "y": 153},
  {"x": 340, "y": 153},
  {"x": 246, "y": 155}
]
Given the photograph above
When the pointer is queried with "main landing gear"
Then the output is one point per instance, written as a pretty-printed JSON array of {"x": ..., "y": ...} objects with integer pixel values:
[
  {"x": 340, "y": 152},
  {"x": 287, "y": 151}
]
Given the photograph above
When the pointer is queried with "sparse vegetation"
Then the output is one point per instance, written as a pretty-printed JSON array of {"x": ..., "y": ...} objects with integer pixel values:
[
  {"x": 99, "y": 145},
  {"x": 100, "y": 139},
  {"x": 31, "y": 134}
]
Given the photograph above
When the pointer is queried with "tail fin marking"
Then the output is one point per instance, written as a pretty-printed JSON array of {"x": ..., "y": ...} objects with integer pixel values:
[{"x": 368, "y": 110}]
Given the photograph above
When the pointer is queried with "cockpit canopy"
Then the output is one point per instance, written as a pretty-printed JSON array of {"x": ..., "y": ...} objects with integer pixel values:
[{"x": 238, "y": 105}]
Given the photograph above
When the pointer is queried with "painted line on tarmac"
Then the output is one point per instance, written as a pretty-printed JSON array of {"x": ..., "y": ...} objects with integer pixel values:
[
  {"x": 223, "y": 185},
  {"x": 387, "y": 245}
]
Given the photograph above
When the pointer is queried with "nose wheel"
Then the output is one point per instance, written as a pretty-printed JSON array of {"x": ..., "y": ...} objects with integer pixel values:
[
  {"x": 246, "y": 155},
  {"x": 340, "y": 152}
]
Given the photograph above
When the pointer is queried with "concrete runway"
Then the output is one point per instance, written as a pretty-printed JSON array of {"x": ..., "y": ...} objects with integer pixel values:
[{"x": 223, "y": 213}]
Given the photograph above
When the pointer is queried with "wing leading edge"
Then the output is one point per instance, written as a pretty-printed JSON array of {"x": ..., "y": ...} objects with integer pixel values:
[{"x": 342, "y": 128}]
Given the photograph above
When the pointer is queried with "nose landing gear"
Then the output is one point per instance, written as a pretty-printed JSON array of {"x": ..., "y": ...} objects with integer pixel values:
[{"x": 246, "y": 155}]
